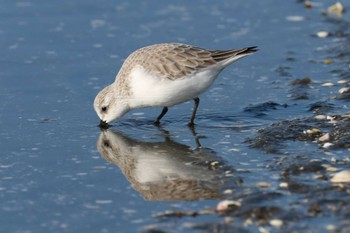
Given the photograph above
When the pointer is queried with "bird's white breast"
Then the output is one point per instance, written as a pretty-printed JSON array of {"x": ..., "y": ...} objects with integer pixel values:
[{"x": 149, "y": 90}]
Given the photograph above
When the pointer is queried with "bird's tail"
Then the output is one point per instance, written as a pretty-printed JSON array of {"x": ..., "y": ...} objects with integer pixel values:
[{"x": 226, "y": 57}]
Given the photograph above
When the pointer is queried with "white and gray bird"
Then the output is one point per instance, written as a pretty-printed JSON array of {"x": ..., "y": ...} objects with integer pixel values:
[{"x": 163, "y": 75}]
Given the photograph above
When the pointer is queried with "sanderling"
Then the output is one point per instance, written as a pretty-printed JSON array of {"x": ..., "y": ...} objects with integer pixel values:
[{"x": 163, "y": 75}]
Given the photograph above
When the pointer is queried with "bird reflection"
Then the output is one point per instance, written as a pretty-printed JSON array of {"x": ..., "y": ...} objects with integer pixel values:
[{"x": 165, "y": 170}]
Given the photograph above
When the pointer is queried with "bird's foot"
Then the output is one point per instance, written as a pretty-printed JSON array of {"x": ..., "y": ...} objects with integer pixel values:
[{"x": 156, "y": 122}]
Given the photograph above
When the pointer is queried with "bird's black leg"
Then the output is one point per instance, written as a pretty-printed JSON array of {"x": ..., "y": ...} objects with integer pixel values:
[
  {"x": 196, "y": 103},
  {"x": 164, "y": 111}
]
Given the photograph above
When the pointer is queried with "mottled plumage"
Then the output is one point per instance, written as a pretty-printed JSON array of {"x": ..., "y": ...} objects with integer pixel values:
[{"x": 175, "y": 61}]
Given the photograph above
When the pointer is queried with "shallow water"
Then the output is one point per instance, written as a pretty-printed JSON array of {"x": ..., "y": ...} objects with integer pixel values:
[{"x": 60, "y": 173}]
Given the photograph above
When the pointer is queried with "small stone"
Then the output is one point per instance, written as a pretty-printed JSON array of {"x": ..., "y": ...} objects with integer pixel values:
[
  {"x": 263, "y": 230},
  {"x": 331, "y": 227},
  {"x": 312, "y": 131},
  {"x": 263, "y": 184},
  {"x": 276, "y": 222},
  {"x": 341, "y": 177},
  {"x": 228, "y": 220},
  {"x": 248, "y": 222},
  {"x": 320, "y": 117},
  {"x": 344, "y": 90},
  {"x": 342, "y": 81},
  {"x": 226, "y": 205},
  {"x": 328, "y": 61},
  {"x": 324, "y": 138},
  {"x": 308, "y": 4},
  {"x": 322, "y": 34},
  {"x": 303, "y": 81},
  {"x": 327, "y": 145},
  {"x": 284, "y": 185},
  {"x": 228, "y": 191},
  {"x": 336, "y": 9},
  {"x": 214, "y": 164},
  {"x": 329, "y": 84}
]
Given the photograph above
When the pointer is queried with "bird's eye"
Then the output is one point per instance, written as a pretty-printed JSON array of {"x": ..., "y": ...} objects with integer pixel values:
[
  {"x": 106, "y": 143},
  {"x": 104, "y": 109}
]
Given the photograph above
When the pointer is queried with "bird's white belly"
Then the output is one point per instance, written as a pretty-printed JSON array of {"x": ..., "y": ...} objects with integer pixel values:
[{"x": 149, "y": 91}]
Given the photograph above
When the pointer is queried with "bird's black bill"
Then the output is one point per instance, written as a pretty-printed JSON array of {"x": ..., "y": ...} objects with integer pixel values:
[{"x": 103, "y": 125}]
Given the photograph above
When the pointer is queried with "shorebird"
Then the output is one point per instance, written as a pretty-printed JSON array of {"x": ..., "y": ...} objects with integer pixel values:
[{"x": 163, "y": 75}]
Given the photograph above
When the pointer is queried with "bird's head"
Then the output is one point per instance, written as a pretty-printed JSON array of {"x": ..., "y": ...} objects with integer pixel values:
[{"x": 109, "y": 106}]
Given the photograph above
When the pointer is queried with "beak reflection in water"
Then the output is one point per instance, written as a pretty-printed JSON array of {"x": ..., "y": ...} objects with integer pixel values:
[{"x": 165, "y": 170}]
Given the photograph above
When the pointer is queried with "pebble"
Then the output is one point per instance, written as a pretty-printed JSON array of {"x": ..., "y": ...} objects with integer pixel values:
[
  {"x": 336, "y": 9},
  {"x": 322, "y": 34},
  {"x": 341, "y": 177},
  {"x": 327, "y": 145},
  {"x": 276, "y": 222},
  {"x": 344, "y": 90},
  {"x": 331, "y": 227},
  {"x": 263, "y": 184},
  {"x": 228, "y": 191},
  {"x": 308, "y": 4},
  {"x": 311, "y": 131},
  {"x": 342, "y": 81},
  {"x": 225, "y": 205},
  {"x": 320, "y": 117},
  {"x": 328, "y": 61},
  {"x": 327, "y": 84},
  {"x": 214, "y": 165},
  {"x": 284, "y": 185},
  {"x": 248, "y": 222},
  {"x": 263, "y": 230},
  {"x": 228, "y": 220},
  {"x": 324, "y": 138}
]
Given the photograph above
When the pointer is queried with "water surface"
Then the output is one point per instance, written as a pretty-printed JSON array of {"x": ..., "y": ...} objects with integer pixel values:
[{"x": 60, "y": 173}]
